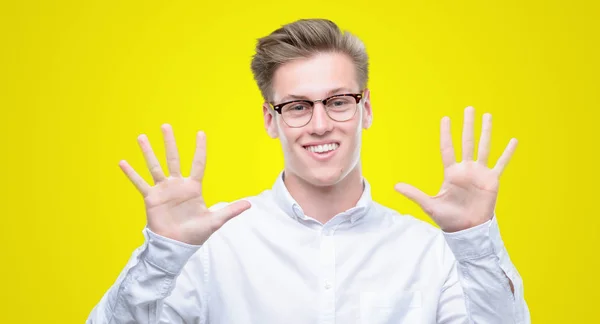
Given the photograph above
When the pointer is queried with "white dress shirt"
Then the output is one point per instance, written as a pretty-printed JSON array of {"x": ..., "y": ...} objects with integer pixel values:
[{"x": 275, "y": 265}]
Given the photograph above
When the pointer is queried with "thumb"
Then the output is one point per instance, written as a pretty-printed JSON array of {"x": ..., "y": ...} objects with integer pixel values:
[
  {"x": 414, "y": 194},
  {"x": 228, "y": 212}
]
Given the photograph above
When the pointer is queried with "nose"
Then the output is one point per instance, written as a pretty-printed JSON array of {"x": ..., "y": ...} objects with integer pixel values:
[{"x": 320, "y": 123}]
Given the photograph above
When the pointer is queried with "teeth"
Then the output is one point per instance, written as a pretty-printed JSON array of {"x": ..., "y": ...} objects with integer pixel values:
[{"x": 323, "y": 148}]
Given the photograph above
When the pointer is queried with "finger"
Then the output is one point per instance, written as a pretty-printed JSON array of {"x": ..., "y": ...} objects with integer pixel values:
[
  {"x": 228, "y": 212},
  {"x": 171, "y": 150},
  {"x": 414, "y": 194},
  {"x": 199, "y": 162},
  {"x": 448, "y": 157},
  {"x": 151, "y": 161},
  {"x": 483, "y": 151},
  {"x": 468, "y": 144},
  {"x": 505, "y": 157},
  {"x": 135, "y": 178}
]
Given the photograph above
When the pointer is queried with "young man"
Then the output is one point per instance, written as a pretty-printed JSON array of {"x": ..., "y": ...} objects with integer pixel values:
[{"x": 316, "y": 248}]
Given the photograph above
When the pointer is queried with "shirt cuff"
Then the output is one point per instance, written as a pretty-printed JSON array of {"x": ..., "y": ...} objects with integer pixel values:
[
  {"x": 167, "y": 254},
  {"x": 476, "y": 242}
]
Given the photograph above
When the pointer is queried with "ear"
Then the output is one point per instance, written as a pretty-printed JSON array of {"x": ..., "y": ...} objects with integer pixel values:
[
  {"x": 367, "y": 116},
  {"x": 270, "y": 122}
]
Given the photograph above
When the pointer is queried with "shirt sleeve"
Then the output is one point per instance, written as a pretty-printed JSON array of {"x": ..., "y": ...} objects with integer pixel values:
[
  {"x": 483, "y": 269},
  {"x": 139, "y": 293}
]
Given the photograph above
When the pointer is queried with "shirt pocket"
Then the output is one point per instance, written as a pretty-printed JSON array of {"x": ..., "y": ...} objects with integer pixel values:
[{"x": 398, "y": 308}]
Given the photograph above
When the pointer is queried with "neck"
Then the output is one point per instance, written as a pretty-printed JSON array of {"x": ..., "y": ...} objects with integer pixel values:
[{"x": 324, "y": 202}]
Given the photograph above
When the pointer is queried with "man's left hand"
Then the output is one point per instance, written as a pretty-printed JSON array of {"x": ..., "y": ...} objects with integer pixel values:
[{"x": 469, "y": 190}]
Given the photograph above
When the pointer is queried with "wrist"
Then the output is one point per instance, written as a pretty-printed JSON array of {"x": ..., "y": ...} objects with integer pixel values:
[{"x": 167, "y": 254}]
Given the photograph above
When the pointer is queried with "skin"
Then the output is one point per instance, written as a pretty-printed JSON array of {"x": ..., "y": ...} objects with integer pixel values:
[
  {"x": 175, "y": 207},
  {"x": 323, "y": 188}
]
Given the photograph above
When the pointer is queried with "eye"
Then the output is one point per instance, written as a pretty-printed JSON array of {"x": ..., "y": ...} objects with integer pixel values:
[
  {"x": 339, "y": 102},
  {"x": 296, "y": 108}
]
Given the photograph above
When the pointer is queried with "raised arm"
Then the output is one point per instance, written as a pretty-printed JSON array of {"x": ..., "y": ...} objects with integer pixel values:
[
  {"x": 178, "y": 223},
  {"x": 464, "y": 209}
]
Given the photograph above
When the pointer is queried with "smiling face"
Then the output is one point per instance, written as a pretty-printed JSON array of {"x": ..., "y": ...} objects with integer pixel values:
[{"x": 324, "y": 151}]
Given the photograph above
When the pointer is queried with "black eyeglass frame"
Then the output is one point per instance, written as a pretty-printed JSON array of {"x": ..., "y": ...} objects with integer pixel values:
[{"x": 356, "y": 96}]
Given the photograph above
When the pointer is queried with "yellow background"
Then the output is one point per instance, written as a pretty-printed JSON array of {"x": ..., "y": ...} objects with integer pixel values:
[{"x": 79, "y": 80}]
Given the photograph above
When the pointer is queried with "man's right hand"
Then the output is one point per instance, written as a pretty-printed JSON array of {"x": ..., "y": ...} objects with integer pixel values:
[{"x": 174, "y": 205}]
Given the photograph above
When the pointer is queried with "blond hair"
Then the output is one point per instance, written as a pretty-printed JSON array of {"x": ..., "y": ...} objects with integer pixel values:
[{"x": 303, "y": 39}]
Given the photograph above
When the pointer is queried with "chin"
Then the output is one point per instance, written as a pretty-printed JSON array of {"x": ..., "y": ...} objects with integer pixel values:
[
  {"x": 322, "y": 173},
  {"x": 324, "y": 176}
]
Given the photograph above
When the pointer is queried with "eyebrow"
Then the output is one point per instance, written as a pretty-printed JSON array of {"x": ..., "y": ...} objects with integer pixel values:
[{"x": 328, "y": 94}]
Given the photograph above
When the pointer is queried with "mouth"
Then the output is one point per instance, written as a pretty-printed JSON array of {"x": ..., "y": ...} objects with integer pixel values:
[{"x": 322, "y": 151}]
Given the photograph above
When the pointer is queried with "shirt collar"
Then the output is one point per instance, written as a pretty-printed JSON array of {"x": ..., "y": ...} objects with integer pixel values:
[{"x": 286, "y": 202}]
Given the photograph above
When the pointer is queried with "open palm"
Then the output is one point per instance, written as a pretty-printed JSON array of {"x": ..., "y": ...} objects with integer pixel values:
[
  {"x": 175, "y": 206},
  {"x": 469, "y": 191}
]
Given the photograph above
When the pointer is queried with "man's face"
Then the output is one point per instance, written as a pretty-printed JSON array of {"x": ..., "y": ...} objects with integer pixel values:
[{"x": 318, "y": 77}]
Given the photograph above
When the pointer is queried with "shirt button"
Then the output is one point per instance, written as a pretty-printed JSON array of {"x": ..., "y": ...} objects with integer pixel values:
[{"x": 328, "y": 284}]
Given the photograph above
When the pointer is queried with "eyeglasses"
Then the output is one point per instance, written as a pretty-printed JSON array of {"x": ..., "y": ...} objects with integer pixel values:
[{"x": 298, "y": 113}]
